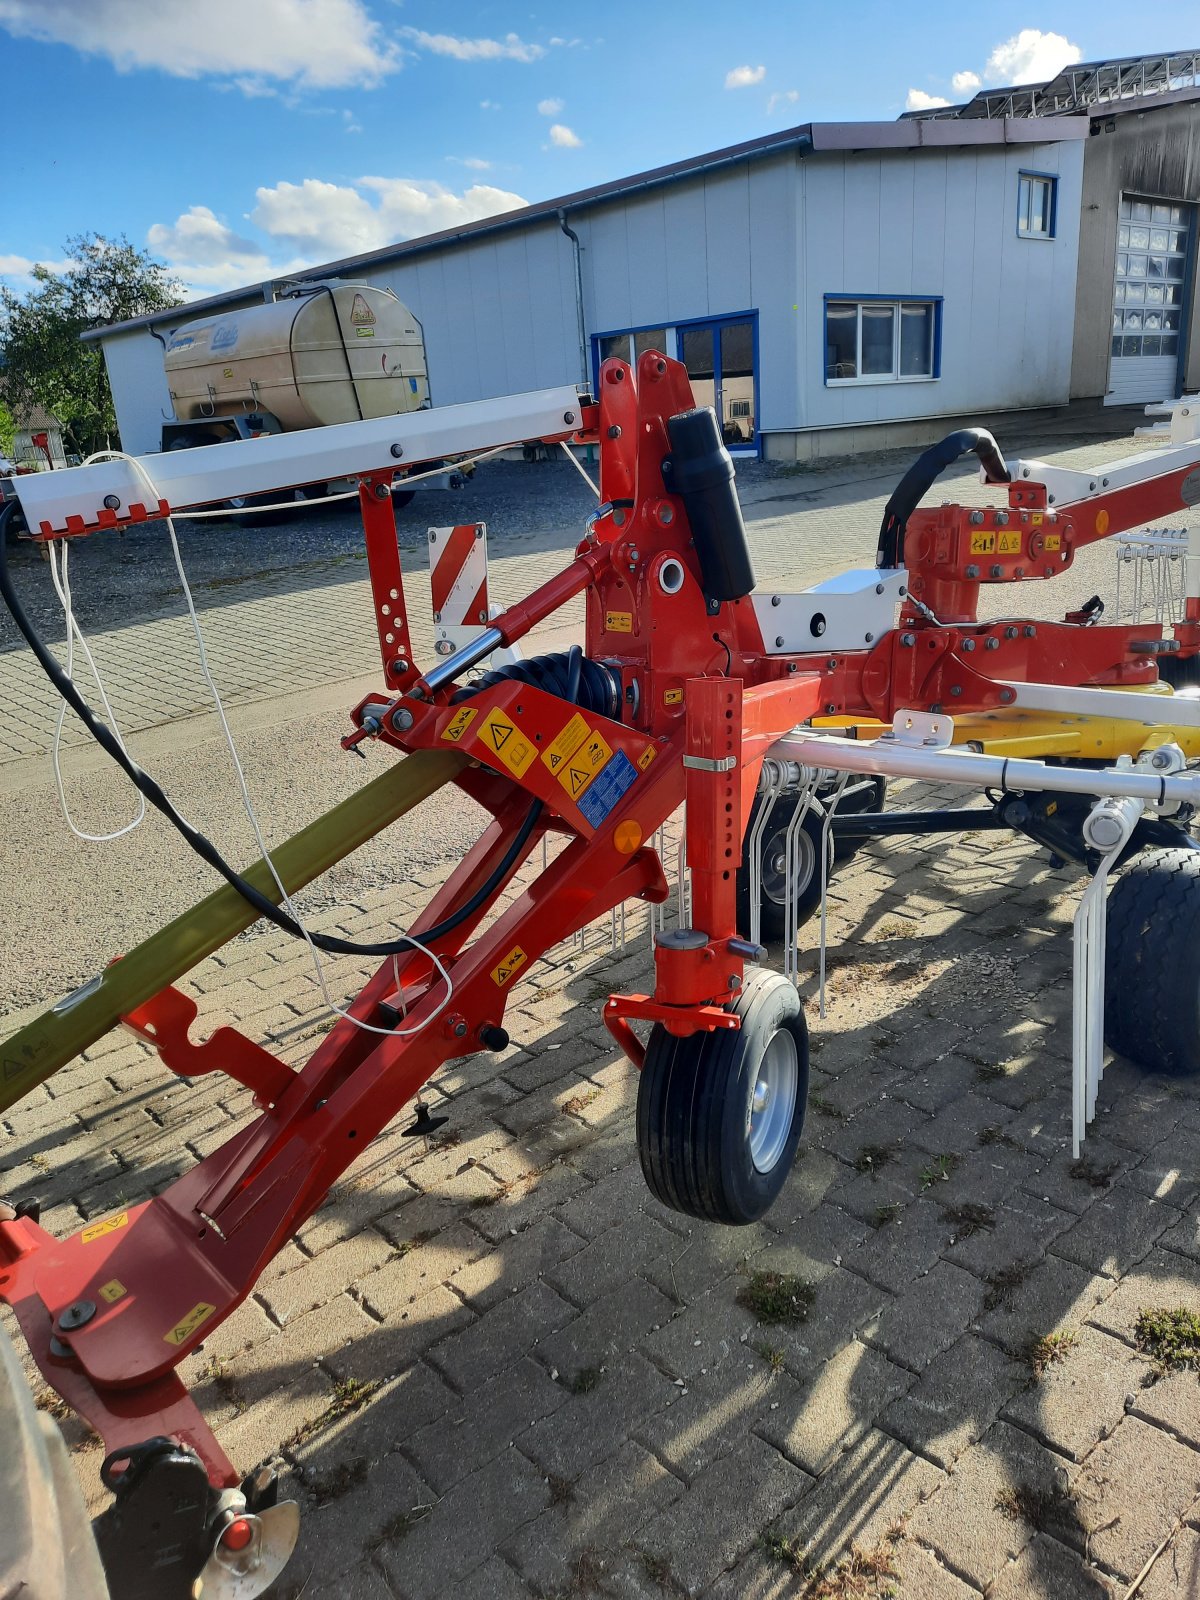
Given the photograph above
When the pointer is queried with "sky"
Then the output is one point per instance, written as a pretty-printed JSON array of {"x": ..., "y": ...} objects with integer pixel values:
[{"x": 244, "y": 139}]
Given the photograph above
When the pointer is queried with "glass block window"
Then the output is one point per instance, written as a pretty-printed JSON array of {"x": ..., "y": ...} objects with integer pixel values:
[
  {"x": 880, "y": 340},
  {"x": 1036, "y": 201},
  {"x": 1152, "y": 247}
]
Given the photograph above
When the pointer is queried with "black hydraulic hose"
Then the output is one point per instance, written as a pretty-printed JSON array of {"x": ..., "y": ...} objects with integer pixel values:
[
  {"x": 921, "y": 476},
  {"x": 203, "y": 846}
]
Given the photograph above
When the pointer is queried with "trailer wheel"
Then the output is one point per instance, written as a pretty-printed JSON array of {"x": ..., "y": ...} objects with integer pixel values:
[
  {"x": 872, "y": 799},
  {"x": 403, "y": 497},
  {"x": 719, "y": 1115},
  {"x": 806, "y": 878},
  {"x": 1152, "y": 962}
]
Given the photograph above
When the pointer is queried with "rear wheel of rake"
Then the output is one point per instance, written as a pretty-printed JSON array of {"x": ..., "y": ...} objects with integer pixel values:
[
  {"x": 719, "y": 1115},
  {"x": 806, "y": 872},
  {"x": 1152, "y": 962}
]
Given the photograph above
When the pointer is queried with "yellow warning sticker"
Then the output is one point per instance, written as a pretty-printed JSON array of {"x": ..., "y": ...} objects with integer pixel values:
[
  {"x": 646, "y": 757},
  {"x": 99, "y": 1229},
  {"x": 113, "y": 1290},
  {"x": 585, "y": 764},
  {"x": 566, "y": 744},
  {"x": 982, "y": 543},
  {"x": 500, "y": 736},
  {"x": 515, "y": 959},
  {"x": 1009, "y": 542},
  {"x": 1036, "y": 519},
  {"x": 618, "y": 622},
  {"x": 183, "y": 1330},
  {"x": 1053, "y": 541},
  {"x": 672, "y": 697},
  {"x": 458, "y": 725}
]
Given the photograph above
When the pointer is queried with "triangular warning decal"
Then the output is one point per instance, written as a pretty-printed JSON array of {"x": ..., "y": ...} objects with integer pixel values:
[
  {"x": 500, "y": 733},
  {"x": 578, "y": 780},
  {"x": 360, "y": 312},
  {"x": 555, "y": 761}
]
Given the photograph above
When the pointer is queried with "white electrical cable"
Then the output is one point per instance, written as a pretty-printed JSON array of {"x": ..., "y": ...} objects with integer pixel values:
[
  {"x": 573, "y": 459},
  {"x": 248, "y": 804},
  {"x": 62, "y": 587}
]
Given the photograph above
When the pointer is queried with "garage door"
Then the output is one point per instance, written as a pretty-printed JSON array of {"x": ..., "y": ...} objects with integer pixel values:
[{"x": 1153, "y": 240}]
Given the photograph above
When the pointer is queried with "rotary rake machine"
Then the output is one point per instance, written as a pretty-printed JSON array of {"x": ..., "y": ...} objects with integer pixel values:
[{"x": 773, "y": 719}]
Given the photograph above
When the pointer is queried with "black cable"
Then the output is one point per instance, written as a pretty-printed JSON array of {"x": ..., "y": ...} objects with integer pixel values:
[
  {"x": 203, "y": 846},
  {"x": 922, "y": 475}
]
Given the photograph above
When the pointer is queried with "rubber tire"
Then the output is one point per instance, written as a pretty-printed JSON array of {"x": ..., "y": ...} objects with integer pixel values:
[
  {"x": 403, "y": 497},
  {"x": 693, "y": 1100},
  {"x": 774, "y": 912},
  {"x": 1179, "y": 672},
  {"x": 1151, "y": 967}
]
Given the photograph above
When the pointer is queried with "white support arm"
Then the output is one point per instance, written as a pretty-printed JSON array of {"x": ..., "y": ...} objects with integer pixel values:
[{"x": 215, "y": 472}]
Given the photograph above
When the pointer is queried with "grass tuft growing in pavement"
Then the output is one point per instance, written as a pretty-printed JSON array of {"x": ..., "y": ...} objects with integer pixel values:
[
  {"x": 826, "y": 1108},
  {"x": 1085, "y": 1170},
  {"x": 886, "y": 1214},
  {"x": 862, "y": 1575},
  {"x": 991, "y": 1071},
  {"x": 1170, "y": 1338},
  {"x": 1004, "y": 1283},
  {"x": 995, "y": 1135},
  {"x": 584, "y": 1381},
  {"x": 1050, "y": 1349},
  {"x": 873, "y": 1156},
  {"x": 969, "y": 1217},
  {"x": 772, "y": 1355},
  {"x": 938, "y": 1170},
  {"x": 1043, "y": 1509},
  {"x": 777, "y": 1298}
]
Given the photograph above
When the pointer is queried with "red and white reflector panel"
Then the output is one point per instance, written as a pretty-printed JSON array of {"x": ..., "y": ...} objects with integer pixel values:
[{"x": 458, "y": 580}]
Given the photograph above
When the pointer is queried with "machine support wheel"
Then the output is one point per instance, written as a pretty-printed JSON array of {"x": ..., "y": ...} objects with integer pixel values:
[
  {"x": 806, "y": 879},
  {"x": 1152, "y": 962},
  {"x": 719, "y": 1115}
]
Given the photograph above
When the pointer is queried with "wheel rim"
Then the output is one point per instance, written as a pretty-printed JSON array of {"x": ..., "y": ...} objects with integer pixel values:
[
  {"x": 774, "y": 865},
  {"x": 772, "y": 1105}
]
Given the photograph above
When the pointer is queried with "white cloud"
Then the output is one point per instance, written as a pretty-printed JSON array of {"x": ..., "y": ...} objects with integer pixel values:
[
  {"x": 964, "y": 83},
  {"x": 564, "y": 137},
  {"x": 199, "y": 238},
  {"x": 313, "y": 44},
  {"x": 782, "y": 97},
  {"x": 744, "y": 77},
  {"x": 332, "y": 219},
  {"x": 510, "y": 48},
  {"x": 1030, "y": 56},
  {"x": 476, "y": 163},
  {"x": 17, "y": 271},
  {"x": 550, "y": 108},
  {"x": 489, "y": 105},
  {"x": 918, "y": 100}
]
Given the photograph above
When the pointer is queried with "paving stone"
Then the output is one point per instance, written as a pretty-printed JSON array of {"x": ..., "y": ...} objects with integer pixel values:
[
  {"x": 811, "y": 1180},
  {"x": 869, "y": 1489},
  {"x": 714, "y": 1413},
  {"x": 607, "y": 1330},
  {"x": 347, "y": 1512},
  {"x": 322, "y": 1278},
  {"x": 1022, "y": 1229},
  {"x": 1184, "y": 1236},
  {"x": 593, "y": 1424},
  {"x": 685, "y": 1344},
  {"x": 363, "y": 1583},
  {"x": 1131, "y": 1490},
  {"x": 955, "y": 1400},
  {"x": 1080, "y": 1398},
  {"x": 1116, "y": 1231},
  {"x": 1163, "y": 1278},
  {"x": 389, "y": 1347},
  {"x": 517, "y": 1260},
  {"x": 599, "y": 1512},
  {"x": 885, "y": 1122},
  {"x": 1173, "y": 1402},
  {"x": 1066, "y": 1183},
  {"x": 893, "y": 1255},
  {"x": 704, "y": 1253},
  {"x": 812, "y": 1421},
  {"x": 391, "y": 1415},
  {"x": 523, "y": 1197},
  {"x": 719, "y": 1519},
  {"x": 927, "y": 1318},
  {"x": 956, "y": 1127},
  {"x": 921, "y": 1576},
  {"x": 494, "y": 1342},
  {"x": 464, "y": 1527},
  {"x": 268, "y": 1365},
  {"x": 407, "y": 1274},
  {"x": 935, "y": 1085},
  {"x": 1176, "y": 1573},
  {"x": 1143, "y": 1116},
  {"x": 978, "y": 1519},
  {"x": 1170, "y": 1169},
  {"x": 1046, "y": 1570},
  {"x": 1054, "y": 1293},
  {"x": 470, "y": 1434},
  {"x": 600, "y": 1268},
  {"x": 617, "y": 1199}
]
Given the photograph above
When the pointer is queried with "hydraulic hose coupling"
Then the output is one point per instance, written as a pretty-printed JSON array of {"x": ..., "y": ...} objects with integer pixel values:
[{"x": 1110, "y": 822}]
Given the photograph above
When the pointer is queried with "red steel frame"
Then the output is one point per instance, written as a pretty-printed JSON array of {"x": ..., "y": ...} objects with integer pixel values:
[{"x": 703, "y": 702}]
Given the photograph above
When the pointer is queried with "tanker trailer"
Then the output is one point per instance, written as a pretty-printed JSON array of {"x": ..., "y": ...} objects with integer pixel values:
[{"x": 322, "y": 352}]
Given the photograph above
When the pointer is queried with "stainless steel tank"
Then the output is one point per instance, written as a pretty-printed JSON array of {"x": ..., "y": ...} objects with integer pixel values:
[{"x": 326, "y": 352}]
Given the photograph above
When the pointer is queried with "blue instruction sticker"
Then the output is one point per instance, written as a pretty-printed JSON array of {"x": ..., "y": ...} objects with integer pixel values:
[{"x": 606, "y": 788}]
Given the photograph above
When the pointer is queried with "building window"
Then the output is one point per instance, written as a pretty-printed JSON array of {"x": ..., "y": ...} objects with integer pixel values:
[
  {"x": 1037, "y": 199},
  {"x": 1152, "y": 253},
  {"x": 880, "y": 340}
]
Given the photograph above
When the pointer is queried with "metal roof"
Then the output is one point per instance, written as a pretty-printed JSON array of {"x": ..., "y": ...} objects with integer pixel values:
[
  {"x": 811, "y": 137},
  {"x": 1078, "y": 88}
]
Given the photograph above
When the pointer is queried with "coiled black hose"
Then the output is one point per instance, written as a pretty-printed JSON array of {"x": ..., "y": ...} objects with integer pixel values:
[
  {"x": 204, "y": 846},
  {"x": 921, "y": 476},
  {"x": 597, "y": 687}
]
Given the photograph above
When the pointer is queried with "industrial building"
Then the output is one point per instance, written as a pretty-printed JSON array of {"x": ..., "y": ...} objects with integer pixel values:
[{"x": 832, "y": 287}]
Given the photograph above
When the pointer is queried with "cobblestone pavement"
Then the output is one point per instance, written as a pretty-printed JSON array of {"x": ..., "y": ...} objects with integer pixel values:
[{"x": 492, "y": 1365}]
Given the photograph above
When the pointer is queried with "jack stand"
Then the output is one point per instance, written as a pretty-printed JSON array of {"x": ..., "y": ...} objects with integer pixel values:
[{"x": 424, "y": 1122}]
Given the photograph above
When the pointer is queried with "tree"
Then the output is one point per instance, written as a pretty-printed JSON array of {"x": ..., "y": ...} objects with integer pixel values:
[{"x": 42, "y": 362}]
